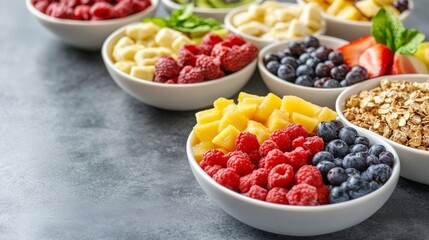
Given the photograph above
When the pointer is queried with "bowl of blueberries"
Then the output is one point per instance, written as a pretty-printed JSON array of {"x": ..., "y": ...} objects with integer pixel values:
[{"x": 309, "y": 68}]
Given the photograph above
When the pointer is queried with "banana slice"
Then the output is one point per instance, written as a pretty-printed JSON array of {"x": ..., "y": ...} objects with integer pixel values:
[
  {"x": 142, "y": 31},
  {"x": 254, "y": 28},
  {"x": 143, "y": 72},
  {"x": 166, "y": 36},
  {"x": 125, "y": 66},
  {"x": 311, "y": 16}
]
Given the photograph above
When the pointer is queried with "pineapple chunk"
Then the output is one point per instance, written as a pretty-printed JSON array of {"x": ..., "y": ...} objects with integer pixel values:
[
  {"x": 226, "y": 138},
  {"x": 208, "y": 115},
  {"x": 326, "y": 115},
  {"x": 221, "y": 103},
  {"x": 307, "y": 122},
  {"x": 247, "y": 109},
  {"x": 207, "y": 131},
  {"x": 295, "y": 104},
  {"x": 336, "y": 6},
  {"x": 311, "y": 16},
  {"x": 350, "y": 13},
  {"x": 199, "y": 149},
  {"x": 267, "y": 106},
  {"x": 259, "y": 130},
  {"x": 277, "y": 120},
  {"x": 234, "y": 118},
  {"x": 393, "y": 10},
  {"x": 368, "y": 7}
]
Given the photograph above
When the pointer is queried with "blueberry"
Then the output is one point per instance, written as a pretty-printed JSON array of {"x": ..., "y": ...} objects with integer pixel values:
[
  {"x": 270, "y": 57},
  {"x": 338, "y": 162},
  {"x": 336, "y": 176},
  {"x": 355, "y": 160},
  {"x": 373, "y": 185},
  {"x": 329, "y": 63},
  {"x": 322, "y": 70},
  {"x": 304, "y": 70},
  {"x": 283, "y": 54},
  {"x": 352, "y": 172},
  {"x": 312, "y": 62},
  {"x": 327, "y": 131},
  {"x": 372, "y": 160},
  {"x": 379, "y": 173},
  {"x": 348, "y": 135},
  {"x": 358, "y": 148},
  {"x": 386, "y": 157},
  {"x": 338, "y": 195},
  {"x": 311, "y": 41},
  {"x": 344, "y": 83},
  {"x": 319, "y": 83},
  {"x": 311, "y": 49},
  {"x": 303, "y": 57},
  {"x": 324, "y": 167},
  {"x": 376, "y": 149},
  {"x": 304, "y": 81},
  {"x": 401, "y": 5},
  {"x": 353, "y": 78},
  {"x": 288, "y": 60},
  {"x": 338, "y": 73},
  {"x": 362, "y": 140},
  {"x": 360, "y": 71},
  {"x": 357, "y": 187},
  {"x": 286, "y": 72},
  {"x": 338, "y": 124},
  {"x": 296, "y": 48},
  {"x": 273, "y": 66},
  {"x": 338, "y": 148},
  {"x": 331, "y": 83},
  {"x": 336, "y": 57},
  {"x": 322, "y": 156},
  {"x": 322, "y": 53}
]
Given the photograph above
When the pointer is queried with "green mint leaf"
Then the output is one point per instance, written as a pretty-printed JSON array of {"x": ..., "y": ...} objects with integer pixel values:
[
  {"x": 386, "y": 27},
  {"x": 408, "y": 41},
  {"x": 187, "y": 12},
  {"x": 161, "y": 22}
]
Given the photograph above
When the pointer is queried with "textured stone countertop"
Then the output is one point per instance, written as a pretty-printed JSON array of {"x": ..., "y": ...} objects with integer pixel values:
[{"x": 81, "y": 159}]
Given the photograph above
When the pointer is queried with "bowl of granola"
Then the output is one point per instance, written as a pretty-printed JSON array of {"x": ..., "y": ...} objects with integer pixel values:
[{"x": 397, "y": 109}]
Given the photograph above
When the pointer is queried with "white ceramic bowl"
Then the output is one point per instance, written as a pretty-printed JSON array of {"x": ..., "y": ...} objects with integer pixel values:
[
  {"x": 174, "y": 96},
  {"x": 321, "y": 96},
  {"x": 296, "y": 220},
  {"x": 88, "y": 35},
  {"x": 415, "y": 162},
  {"x": 352, "y": 30},
  {"x": 257, "y": 40},
  {"x": 216, "y": 13}
]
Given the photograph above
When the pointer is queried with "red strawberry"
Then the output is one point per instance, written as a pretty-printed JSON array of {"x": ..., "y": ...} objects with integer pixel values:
[
  {"x": 209, "y": 66},
  {"x": 353, "y": 50},
  {"x": 403, "y": 64},
  {"x": 190, "y": 74},
  {"x": 211, "y": 39},
  {"x": 186, "y": 58},
  {"x": 167, "y": 67},
  {"x": 376, "y": 60}
]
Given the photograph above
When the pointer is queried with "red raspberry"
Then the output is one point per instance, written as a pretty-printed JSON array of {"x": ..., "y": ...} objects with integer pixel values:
[
  {"x": 70, "y": 3},
  {"x": 232, "y": 60},
  {"x": 281, "y": 138},
  {"x": 249, "y": 51},
  {"x": 211, "y": 170},
  {"x": 266, "y": 147},
  {"x": 205, "y": 49},
  {"x": 235, "y": 39},
  {"x": 221, "y": 49},
  {"x": 295, "y": 130},
  {"x": 309, "y": 174},
  {"x": 242, "y": 166},
  {"x": 221, "y": 74},
  {"x": 302, "y": 195},
  {"x": 280, "y": 176},
  {"x": 209, "y": 66},
  {"x": 213, "y": 157},
  {"x": 274, "y": 158},
  {"x": 298, "y": 142},
  {"x": 323, "y": 194},
  {"x": 246, "y": 142},
  {"x": 192, "y": 48},
  {"x": 277, "y": 195},
  {"x": 86, "y": 2},
  {"x": 227, "y": 178},
  {"x": 314, "y": 145},
  {"x": 190, "y": 74},
  {"x": 41, "y": 6},
  {"x": 59, "y": 11},
  {"x": 123, "y": 9},
  {"x": 257, "y": 177},
  {"x": 186, "y": 58},
  {"x": 140, "y": 5},
  {"x": 167, "y": 67},
  {"x": 261, "y": 164},
  {"x": 237, "y": 153},
  {"x": 81, "y": 12},
  {"x": 160, "y": 79},
  {"x": 171, "y": 81},
  {"x": 297, "y": 158},
  {"x": 258, "y": 192},
  {"x": 211, "y": 39},
  {"x": 102, "y": 10}
]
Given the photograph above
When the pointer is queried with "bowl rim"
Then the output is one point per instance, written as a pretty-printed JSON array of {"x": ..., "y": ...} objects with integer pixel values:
[
  {"x": 404, "y": 15},
  {"x": 268, "y": 49},
  {"x": 174, "y": 5},
  {"x": 108, "y": 61},
  {"x": 293, "y": 208},
  {"x": 228, "y": 23},
  {"x": 346, "y": 94},
  {"x": 71, "y": 22}
]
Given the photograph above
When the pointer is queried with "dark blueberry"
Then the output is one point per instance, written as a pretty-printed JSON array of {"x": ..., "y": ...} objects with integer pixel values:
[
  {"x": 296, "y": 48},
  {"x": 355, "y": 160},
  {"x": 376, "y": 149},
  {"x": 304, "y": 70},
  {"x": 338, "y": 73},
  {"x": 288, "y": 60},
  {"x": 322, "y": 156},
  {"x": 357, "y": 187},
  {"x": 304, "y": 81},
  {"x": 401, "y": 5},
  {"x": 273, "y": 66},
  {"x": 322, "y": 53},
  {"x": 348, "y": 135},
  {"x": 344, "y": 186},
  {"x": 336, "y": 57},
  {"x": 336, "y": 176},
  {"x": 319, "y": 82},
  {"x": 286, "y": 72},
  {"x": 324, "y": 167},
  {"x": 338, "y": 162},
  {"x": 303, "y": 58},
  {"x": 322, "y": 70},
  {"x": 372, "y": 160},
  {"x": 312, "y": 62},
  {"x": 366, "y": 176},
  {"x": 379, "y": 173},
  {"x": 374, "y": 185},
  {"x": 332, "y": 83},
  {"x": 337, "y": 195},
  {"x": 338, "y": 124},
  {"x": 283, "y": 54},
  {"x": 311, "y": 41},
  {"x": 338, "y": 148},
  {"x": 362, "y": 140},
  {"x": 344, "y": 83},
  {"x": 311, "y": 49},
  {"x": 352, "y": 172},
  {"x": 358, "y": 148},
  {"x": 327, "y": 131},
  {"x": 271, "y": 57},
  {"x": 386, "y": 157},
  {"x": 353, "y": 78},
  {"x": 330, "y": 64}
]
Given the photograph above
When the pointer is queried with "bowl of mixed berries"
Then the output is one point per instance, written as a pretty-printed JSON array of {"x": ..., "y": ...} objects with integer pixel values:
[{"x": 285, "y": 165}]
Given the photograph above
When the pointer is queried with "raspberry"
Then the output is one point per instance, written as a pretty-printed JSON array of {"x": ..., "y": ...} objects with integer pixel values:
[
  {"x": 246, "y": 142},
  {"x": 281, "y": 138},
  {"x": 261, "y": 164},
  {"x": 211, "y": 39},
  {"x": 298, "y": 142},
  {"x": 280, "y": 176},
  {"x": 249, "y": 51},
  {"x": 314, "y": 145},
  {"x": 232, "y": 60},
  {"x": 189, "y": 74},
  {"x": 297, "y": 158},
  {"x": 167, "y": 67},
  {"x": 211, "y": 170},
  {"x": 237, "y": 153},
  {"x": 295, "y": 130},
  {"x": 82, "y": 12},
  {"x": 258, "y": 192},
  {"x": 172, "y": 80},
  {"x": 274, "y": 158},
  {"x": 227, "y": 178},
  {"x": 186, "y": 58},
  {"x": 160, "y": 79},
  {"x": 266, "y": 147},
  {"x": 86, "y": 2},
  {"x": 221, "y": 49},
  {"x": 302, "y": 195},
  {"x": 41, "y": 6},
  {"x": 277, "y": 195},
  {"x": 257, "y": 177},
  {"x": 323, "y": 194},
  {"x": 141, "y": 5},
  {"x": 213, "y": 157},
  {"x": 209, "y": 66},
  {"x": 194, "y": 49},
  {"x": 235, "y": 39},
  {"x": 242, "y": 166},
  {"x": 205, "y": 49},
  {"x": 102, "y": 10},
  {"x": 70, "y": 3},
  {"x": 123, "y": 9},
  {"x": 310, "y": 175}
]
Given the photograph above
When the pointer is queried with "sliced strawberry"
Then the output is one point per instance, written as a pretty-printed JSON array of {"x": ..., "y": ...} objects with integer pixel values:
[
  {"x": 403, "y": 64},
  {"x": 376, "y": 60},
  {"x": 353, "y": 50}
]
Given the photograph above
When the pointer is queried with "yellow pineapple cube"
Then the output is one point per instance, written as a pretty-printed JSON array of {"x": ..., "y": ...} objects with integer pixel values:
[
  {"x": 326, "y": 115},
  {"x": 208, "y": 115},
  {"x": 259, "y": 130},
  {"x": 267, "y": 106},
  {"x": 235, "y": 118},
  {"x": 243, "y": 95},
  {"x": 307, "y": 122},
  {"x": 207, "y": 131},
  {"x": 336, "y": 6},
  {"x": 221, "y": 103},
  {"x": 199, "y": 149},
  {"x": 222, "y": 150},
  {"x": 247, "y": 109},
  {"x": 349, "y": 13},
  {"x": 226, "y": 138},
  {"x": 295, "y": 104},
  {"x": 278, "y": 120}
]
